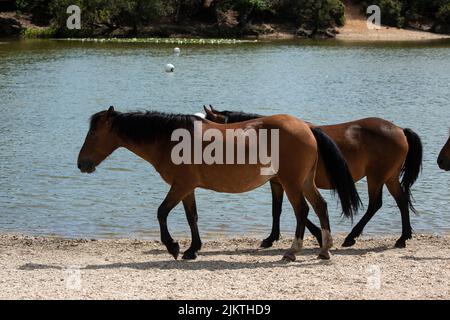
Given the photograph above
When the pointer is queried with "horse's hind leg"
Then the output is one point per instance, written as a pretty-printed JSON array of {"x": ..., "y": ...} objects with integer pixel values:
[
  {"x": 175, "y": 195},
  {"x": 315, "y": 231},
  {"x": 301, "y": 211},
  {"x": 277, "y": 203},
  {"x": 375, "y": 202},
  {"x": 401, "y": 199},
  {"x": 191, "y": 214},
  {"x": 320, "y": 207}
]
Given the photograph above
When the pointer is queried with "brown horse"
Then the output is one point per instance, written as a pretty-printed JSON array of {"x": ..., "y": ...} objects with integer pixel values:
[
  {"x": 373, "y": 148},
  {"x": 444, "y": 157},
  {"x": 150, "y": 136}
]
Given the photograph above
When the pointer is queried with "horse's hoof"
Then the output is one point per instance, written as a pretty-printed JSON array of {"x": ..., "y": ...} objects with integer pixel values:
[
  {"x": 348, "y": 242},
  {"x": 289, "y": 256},
  {"x": 325, "y": 255},
  {"x": 400, "y": 243},
  {"x": 189, "y": 255},
  {"x": 266, "y": 243},
  {"x": 174, "y": 249}
]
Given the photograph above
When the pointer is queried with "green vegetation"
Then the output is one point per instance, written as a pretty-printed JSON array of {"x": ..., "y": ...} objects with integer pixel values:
[
  {"x": 222, "y": 17},
  {"x": 48, "y": 32},
  {"x": 404, "y": 13},
  {"x": 109, "y": 15},
  {"x": 39, "y": 8},
  {"x": 313, "y": 14}
]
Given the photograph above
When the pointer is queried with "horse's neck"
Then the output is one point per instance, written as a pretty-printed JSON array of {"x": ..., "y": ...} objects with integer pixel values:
[{"x": 151, "y": 152}]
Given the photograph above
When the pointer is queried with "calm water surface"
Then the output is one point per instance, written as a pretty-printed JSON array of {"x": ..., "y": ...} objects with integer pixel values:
[{"x": 48, "y": 90}]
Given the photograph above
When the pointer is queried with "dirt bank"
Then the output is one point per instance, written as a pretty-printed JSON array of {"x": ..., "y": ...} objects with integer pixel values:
[{"x": 356, "y": 29}]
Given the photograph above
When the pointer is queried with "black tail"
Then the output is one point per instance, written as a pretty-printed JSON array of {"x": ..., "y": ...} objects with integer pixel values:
[
  {"x": 339, "y": 175},
  {"x": 412, "y": 166}
]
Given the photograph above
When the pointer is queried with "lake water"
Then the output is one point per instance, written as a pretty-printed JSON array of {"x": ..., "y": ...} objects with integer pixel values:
[{"x": 48, "y": 90}]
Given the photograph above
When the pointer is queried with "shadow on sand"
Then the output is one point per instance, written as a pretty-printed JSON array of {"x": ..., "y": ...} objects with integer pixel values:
[
  {"x": 306, "y": 259},
  {"x": 279, "y": 251},
  {"x": 412, "y": 258}
]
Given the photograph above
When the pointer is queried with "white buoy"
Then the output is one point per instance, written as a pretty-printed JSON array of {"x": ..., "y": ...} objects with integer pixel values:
[
  {"x": 177, "y": 50},
  {"x": 170, "y": 67}
]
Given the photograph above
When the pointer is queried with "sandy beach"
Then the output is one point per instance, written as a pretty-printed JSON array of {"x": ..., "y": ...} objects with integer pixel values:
[
  {"x": 55, "y": 268},
  {"x": 355, "y": 29}
]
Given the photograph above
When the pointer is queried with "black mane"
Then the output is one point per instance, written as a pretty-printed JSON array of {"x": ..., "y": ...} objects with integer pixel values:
[
  {"x": 147, "y": 125},
  {"x": 238, "y": 116}
]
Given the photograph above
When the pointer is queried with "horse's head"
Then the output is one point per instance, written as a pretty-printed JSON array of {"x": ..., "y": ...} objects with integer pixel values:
[
  {"x": 100, "y": 141},
  {"x": 444, "y": 157},
  {"x": 215, "y": 115}
]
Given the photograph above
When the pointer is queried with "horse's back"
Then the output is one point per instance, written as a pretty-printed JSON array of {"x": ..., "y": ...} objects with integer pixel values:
[
  {"x": 295, "y": 149},
  {"x": 383, "y": 135},
  {"x": 370, "y": 144},
  {"x": 289, "y": 127}
]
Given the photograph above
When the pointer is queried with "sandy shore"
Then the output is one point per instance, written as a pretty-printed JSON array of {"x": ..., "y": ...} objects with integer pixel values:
[
  {"x": 355, "y": 29},
  {"x": 42, "y": 267}
]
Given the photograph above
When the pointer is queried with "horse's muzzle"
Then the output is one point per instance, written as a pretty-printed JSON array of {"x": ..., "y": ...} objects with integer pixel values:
[
  {"x": 444, "y": 163},
  {"x": 86, "y": 166}
]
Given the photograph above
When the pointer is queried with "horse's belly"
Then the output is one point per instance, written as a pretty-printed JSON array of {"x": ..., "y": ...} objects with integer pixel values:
[
  {"x": 357, "y": 170},
  {"x": 234, "y": 182}
]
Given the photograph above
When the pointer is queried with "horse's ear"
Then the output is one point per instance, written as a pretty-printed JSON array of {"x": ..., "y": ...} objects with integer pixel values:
[
  {"x": 208, "y": 112},
  {"x": 110, "y": 111},
  {"x": 212, "y": 109}
]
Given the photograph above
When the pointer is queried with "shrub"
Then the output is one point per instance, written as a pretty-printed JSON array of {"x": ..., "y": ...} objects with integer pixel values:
[
  {"x": 332, "y": 13},
  {"x": 444, "y": 14},
  {"x": 315, "y": 14},
  {"x": 112, "y": 13},
  {"x": 39, "y": 33},
  {"x": 391, "y": 13},
  {"x": 39, "y": 10}
]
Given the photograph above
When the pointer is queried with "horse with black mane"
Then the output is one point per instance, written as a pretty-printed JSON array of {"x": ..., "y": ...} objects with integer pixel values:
[
  {"x": 150, "y": 136},
  {"x": 374, "y": 148}
]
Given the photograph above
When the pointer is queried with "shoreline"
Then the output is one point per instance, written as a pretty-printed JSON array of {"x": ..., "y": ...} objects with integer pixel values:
[
  {"x": 58, "y": 268},
  {"x": 354, "y": 30}
]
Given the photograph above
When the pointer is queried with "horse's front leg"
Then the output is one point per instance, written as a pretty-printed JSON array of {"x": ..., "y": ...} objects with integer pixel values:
[
  {"x": 191, "y": 214},
  {"x": 175, "y": 195},
  {"x": 301, "y": 214}
]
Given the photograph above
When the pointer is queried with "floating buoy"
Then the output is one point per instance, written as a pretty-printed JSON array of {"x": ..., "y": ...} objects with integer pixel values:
[
  {"x": 176, "y": 50},
  {"x": 170, "y": 67}
]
